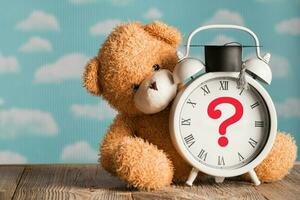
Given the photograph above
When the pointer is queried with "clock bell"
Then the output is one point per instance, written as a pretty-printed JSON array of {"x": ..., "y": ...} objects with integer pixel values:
[{"x": 224, "y": 58}]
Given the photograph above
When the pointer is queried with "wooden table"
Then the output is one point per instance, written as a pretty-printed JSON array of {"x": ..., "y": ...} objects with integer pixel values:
[{"x": 91, "y": 182}]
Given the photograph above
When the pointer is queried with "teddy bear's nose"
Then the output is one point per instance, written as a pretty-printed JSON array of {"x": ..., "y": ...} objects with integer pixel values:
[{"x": 153, "y": 86}]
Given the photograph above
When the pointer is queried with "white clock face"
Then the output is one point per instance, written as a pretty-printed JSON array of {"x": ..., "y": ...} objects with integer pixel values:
[{"x": 222, "y": 126}]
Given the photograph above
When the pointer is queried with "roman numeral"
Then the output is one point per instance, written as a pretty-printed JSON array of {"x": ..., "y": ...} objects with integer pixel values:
[
  {"x": 202, "y": 155},
  {"x": 259, "y": 124},
  {"x": 205, "y": 90},
  {"x": 240, "y": 157},
  {"x": 192, "y": 103},
  {"x": 186, "y": 122},
  {"x": 242, "y": 90},
  {"x": 224, "y": 85},
  {"x": 221, "y": 161},
  {"x": 252, "y": 142},
  {"x": 255, "y": 105},
  {"x": 189, "y": 140}
]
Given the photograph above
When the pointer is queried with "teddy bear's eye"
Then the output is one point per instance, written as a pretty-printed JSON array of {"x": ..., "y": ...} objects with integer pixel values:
[
  {"x": 135, "y": 86},
  {"x": 156, "y": 67}
]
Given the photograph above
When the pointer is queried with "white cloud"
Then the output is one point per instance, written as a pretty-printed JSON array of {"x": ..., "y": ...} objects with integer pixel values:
[
  {"x": 153, "y": 13},
  {"x": 1, "y": 101},
  {"x": 78, "y": 2},
  {"x": 224, "y": 16},
  {"x": 222, "y": 39},
  {"x": 39, "y": 21},
  {"x": 8, "y": 64},
  {"x": 289, "y": 108},
  {"x": 36, "y": 44},
  {"x": 80, "y": 151},
  {"x": 105, "y": 27},
  {"x": 65, "y": 68},
  {"x": 9, "y": 157},
  {"x": 280, "y": 66},
  {"x": 290, "y": 26},
  {"x": 99, "y": 111},
  {"x": 16, "y": 121}
]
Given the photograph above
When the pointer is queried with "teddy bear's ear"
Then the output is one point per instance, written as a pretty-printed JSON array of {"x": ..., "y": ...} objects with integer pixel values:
[
  {"x": 90, "y": 77},
  {"x": 164, "y": 32}
]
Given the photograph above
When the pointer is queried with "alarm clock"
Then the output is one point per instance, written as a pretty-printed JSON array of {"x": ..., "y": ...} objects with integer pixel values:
[{"x": 223, "y": 122}]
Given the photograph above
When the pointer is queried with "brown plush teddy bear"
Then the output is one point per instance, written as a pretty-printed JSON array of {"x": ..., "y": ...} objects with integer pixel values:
[{"x": 132, "y": 71}]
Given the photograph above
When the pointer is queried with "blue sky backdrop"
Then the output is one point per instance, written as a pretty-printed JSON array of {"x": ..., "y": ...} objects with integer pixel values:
[{"x": 45, "y": 114}]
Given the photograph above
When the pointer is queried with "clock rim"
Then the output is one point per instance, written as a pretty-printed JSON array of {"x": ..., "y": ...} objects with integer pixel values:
[{"x": 181, "y": 148}]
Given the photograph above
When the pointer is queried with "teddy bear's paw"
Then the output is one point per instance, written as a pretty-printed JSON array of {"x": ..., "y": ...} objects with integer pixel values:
[
  {"x": 106, "y": 161},
  {"x": 280, "y": 160},
  {"x": 143, "y": 165}
]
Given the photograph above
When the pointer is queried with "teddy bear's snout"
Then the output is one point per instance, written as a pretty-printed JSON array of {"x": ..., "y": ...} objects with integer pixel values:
[
  {"x": 155, "y": 92},
  {"x": 153, "y": 86}
]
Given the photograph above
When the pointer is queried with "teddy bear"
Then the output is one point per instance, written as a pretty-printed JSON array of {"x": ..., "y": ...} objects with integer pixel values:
[{"x": 133, "y": 73}]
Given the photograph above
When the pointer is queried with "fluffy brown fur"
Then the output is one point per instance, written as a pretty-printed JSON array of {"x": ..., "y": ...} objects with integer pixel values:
[
  {"x": 137, "y": 147},
  {"x": 280, "y": 159}
]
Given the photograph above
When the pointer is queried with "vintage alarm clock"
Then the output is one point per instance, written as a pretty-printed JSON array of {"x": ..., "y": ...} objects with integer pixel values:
[{"x": 223, "y": 122}]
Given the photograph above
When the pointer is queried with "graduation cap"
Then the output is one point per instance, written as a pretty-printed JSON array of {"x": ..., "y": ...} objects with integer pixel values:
[{"x": 225, "y": 58}]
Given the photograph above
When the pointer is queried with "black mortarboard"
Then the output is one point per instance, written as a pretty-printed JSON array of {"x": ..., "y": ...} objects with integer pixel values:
[{"x": 226, "y": 58}]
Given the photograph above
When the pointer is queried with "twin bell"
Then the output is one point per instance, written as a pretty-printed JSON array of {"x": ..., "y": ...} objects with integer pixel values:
[{"x": 224, "y": 58}]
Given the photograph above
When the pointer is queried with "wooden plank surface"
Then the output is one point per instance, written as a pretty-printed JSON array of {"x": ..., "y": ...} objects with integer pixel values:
[
  {"x": 91, "y": 182},
  {"x": 9, "y": 179},
  {"x": 289, "y": 188},
  {"x": 69, "y": 182}
]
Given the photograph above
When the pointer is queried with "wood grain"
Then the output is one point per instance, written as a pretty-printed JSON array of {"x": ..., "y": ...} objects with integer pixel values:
[
  {"x": 288, "y": 188},
  {"x": 9, "y": 179},
  {"x": 68, "y": 182},
  {"x": 89, "y": 181}
]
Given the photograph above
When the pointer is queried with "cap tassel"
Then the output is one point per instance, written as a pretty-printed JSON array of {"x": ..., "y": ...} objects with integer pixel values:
[{"x": 242, "y": 82}]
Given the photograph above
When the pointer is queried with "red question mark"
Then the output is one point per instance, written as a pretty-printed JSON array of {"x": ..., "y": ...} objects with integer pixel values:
[{"x": 215, "y": 114}]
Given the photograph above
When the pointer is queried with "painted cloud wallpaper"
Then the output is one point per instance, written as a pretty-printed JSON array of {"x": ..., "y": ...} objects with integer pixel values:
[{"x": 45, "y": 114}]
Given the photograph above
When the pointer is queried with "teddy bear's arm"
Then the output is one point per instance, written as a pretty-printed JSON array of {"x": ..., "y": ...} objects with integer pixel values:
[
  {"x": 138, "y": 162},
  {"x": 116, "y": 133},
  {"x": 279, "y": 161}
]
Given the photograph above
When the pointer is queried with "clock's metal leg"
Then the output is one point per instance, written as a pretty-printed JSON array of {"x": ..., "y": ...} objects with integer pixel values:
[
  {"x": 219, "y": 179},
  {"x": 254, "y": 177},
  {"x": 192, "y": 176}
]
